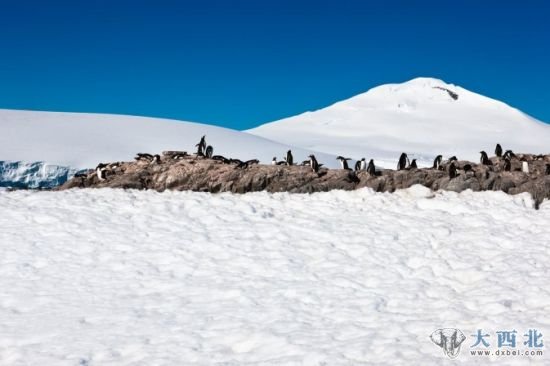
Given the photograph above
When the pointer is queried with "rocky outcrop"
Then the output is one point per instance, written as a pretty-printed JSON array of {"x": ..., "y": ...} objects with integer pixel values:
[{"x": 207, "y": 175}]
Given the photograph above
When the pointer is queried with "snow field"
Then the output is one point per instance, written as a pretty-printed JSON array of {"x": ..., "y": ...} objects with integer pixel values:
[{"x": 114, "y": 277}]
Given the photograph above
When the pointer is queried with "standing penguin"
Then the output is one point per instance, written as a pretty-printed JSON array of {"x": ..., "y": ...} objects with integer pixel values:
[
  {"x": 209, "y": 151},
  {"x": 484, "y": 159},
  {"x": 343, "y": 162},
  {"x": 437, "y": 162},
  {"x": 363, "y": 164},
  {"x": 371, "y": 169},
  {"x": 289, "y": 158},
  {"x": 498, "y": 150},
  {"x": 507, "y": 165},
  {"x": 360, "y": 165},
  {"x": 453, "y": 171},
  {"x": 413, "y": 164},
  {"x": 202, "y": 142},
  {"x": 313, "y": 163},
  {"x": 403, "y": 162},
  {"x": 274, "y": 161},
  {"x": 525, "y": 167}
]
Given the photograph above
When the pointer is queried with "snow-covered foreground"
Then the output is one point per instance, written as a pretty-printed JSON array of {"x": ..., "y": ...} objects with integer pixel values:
[{"x": 113, "y": 277}]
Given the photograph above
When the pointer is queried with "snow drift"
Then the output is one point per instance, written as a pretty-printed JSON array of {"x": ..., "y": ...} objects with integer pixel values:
[{"x": 423, "y": 117}]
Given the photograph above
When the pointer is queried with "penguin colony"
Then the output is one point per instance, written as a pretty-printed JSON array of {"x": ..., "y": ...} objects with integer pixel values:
[{"x": 205, "y": 151}]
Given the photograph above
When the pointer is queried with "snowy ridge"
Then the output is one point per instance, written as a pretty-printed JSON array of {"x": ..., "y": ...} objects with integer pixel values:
[
  {"x": 418, "y": 117},
  {"x": 76, "y": 141},
  {"x": 114, "y": 277}
]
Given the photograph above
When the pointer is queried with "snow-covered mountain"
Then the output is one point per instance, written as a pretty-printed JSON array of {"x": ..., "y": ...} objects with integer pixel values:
[
  {"x": 41, "y": 149},
  {"x": 423, "y": 117}
]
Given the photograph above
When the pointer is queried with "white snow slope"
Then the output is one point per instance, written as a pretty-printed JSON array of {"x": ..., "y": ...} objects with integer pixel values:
[
  {"x": 414, "y": 117},
  {"x": 115, "y": 277},
  {"x": 70, "y": 141}
]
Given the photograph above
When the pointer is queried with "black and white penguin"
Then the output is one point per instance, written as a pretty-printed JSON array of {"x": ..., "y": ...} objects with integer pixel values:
[
  {"x": 144, "y": 157},
  {"x": 209, "y": 151},
  {"x": 200, "y": 150},
  {"x": 404, "y": 162},
  {"x": 507, "y": 165},
  {"x": 498, "y": 150},
  {"x": 525, "y": 167},
  {"x": 305, "y": 163},
  {"x": 437, "y": 162},
  {"x": 371, "y": 169},
  {"x": 313, "y": 163},
  {"x": 484, "y": 159},
  {"x": 453, "y": 158},
  {"x": 202, "y": 143},
  {"x": 223, "y": 159},
  {"x": 179, "y": 156},
  {"x": 360, "y": 165},
  {"x": 547, "y": 169},
  {"x": 274, "y": 161},
  {"x": 467, "y": 168},
  {"x": 509, "y": 154},
  {"x": 413, "y": 164},
  {"x": 343, "y": 162},
  {"x": 289, "y": 158},
  {"x": 156, "y": 159},
  {"x": 100, "y": 171},
  {"x": 453, "y": 171}
]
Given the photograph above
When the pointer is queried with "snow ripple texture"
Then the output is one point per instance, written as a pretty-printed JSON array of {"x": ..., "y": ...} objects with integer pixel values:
[{"x": 113, "y": 277}]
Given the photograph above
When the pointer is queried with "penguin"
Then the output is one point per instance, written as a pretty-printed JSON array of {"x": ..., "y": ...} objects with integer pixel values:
[
  {"x": 413, "y": 164},
  {"x": 403, "y": 162},
  {"x": 80, "y": 175},
  {"x": 200, "y": 150},
  {"x": 313, "y": 163},
  {"x": 236, "y": 161},
  {"x": 252, "y": 161},
  {"x": 179, "y": 156},
  {"x": 274, "y": 161},
  {"x": 202, "y": 143},
  {"x": 467, "y": 168},
  {"x": 371, "y": 169},
  {"x": 222, "y": 159},
  {"x": 498, "y": 150},
  {"x": 525, "y": 167},
  {"x": 453, "y": 172},
  {"x": 305, "y": 163},
  {"x": 509, "y": 154},
  {"x": 144, "y": 157},
  {"x": 209, "y": 151},
  {"x": 437, "y": 162},
  {"x": 156, "y": 159},
  {"x": 507, "y": 165},
  {"x": 289, "y": 158},
  {"x": 360, "y": 165},
  {"x": 100, "y": 171},
  {"x": 484, "y": 159},
  {"x": 343, "y": 162},
  {"x": 547, "y": 169},
  {"x": 453, "y": 158}
]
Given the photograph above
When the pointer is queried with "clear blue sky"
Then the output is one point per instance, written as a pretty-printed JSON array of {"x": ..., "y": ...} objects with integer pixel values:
[{"x": 241, "y": 63}]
